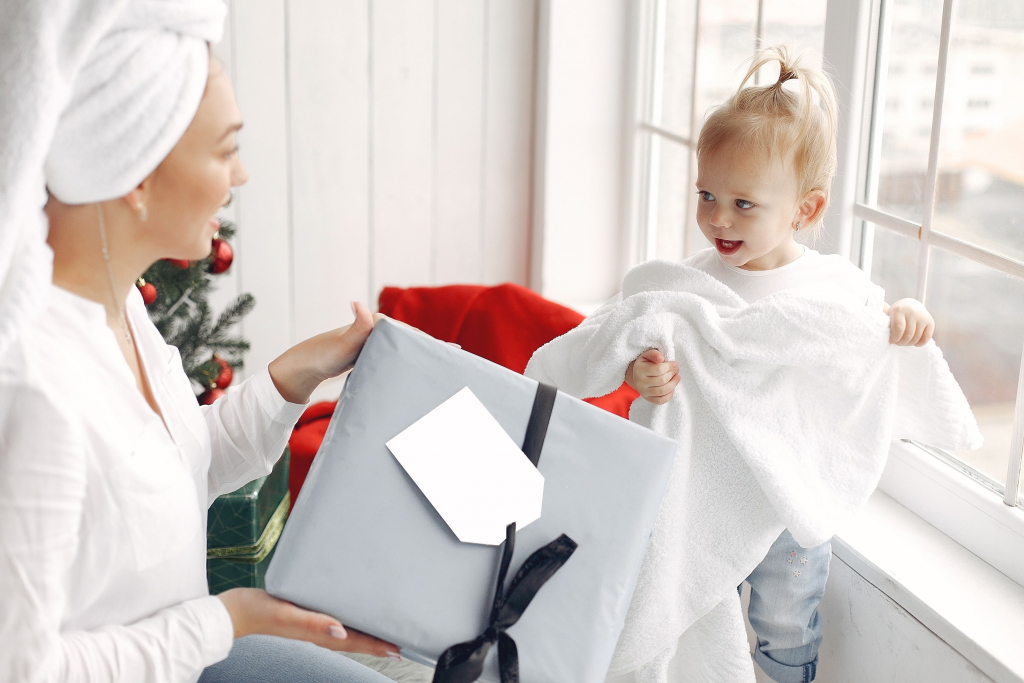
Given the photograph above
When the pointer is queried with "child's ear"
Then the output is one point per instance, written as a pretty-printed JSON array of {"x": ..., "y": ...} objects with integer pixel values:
[{"x": 811, "y": 206}]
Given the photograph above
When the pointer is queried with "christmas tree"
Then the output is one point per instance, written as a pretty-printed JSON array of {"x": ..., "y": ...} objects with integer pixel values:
[{"x": 176, "y": 294}]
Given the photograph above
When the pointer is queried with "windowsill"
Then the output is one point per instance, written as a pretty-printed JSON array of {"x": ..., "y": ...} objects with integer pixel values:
[
  {"x": 974, "y": 608},
  {"x": 958, "y": 506}
]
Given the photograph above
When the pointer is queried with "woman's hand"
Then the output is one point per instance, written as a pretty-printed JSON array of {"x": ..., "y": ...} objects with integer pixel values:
[
  {"x": 654, "y": 378},
  {"x": 301, "y": 369},
  {"x": 910, "y": 323},
  {"x": 255, "y": 611}
]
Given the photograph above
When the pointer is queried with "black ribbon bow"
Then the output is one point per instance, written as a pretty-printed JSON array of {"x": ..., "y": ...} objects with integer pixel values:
[{"x": 464, "y": 662}]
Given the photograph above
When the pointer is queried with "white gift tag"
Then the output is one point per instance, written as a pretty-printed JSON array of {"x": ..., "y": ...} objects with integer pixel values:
[{"x": 469, "y": 469}]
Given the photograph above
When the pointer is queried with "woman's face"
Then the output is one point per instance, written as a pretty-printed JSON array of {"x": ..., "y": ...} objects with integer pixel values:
[{"x": 184, "y": 193}]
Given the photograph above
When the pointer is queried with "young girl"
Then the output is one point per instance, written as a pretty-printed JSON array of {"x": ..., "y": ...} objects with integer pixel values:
[
  {"x": 765, "y": 163},
  {"x": 792, "y": 383}
]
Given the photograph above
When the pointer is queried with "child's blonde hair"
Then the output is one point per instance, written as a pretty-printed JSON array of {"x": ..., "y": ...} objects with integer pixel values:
[{"x": 777, "y": 124}]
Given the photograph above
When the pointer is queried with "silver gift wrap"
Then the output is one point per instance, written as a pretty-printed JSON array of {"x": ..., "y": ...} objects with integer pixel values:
[{"x": 364, "y": 545}]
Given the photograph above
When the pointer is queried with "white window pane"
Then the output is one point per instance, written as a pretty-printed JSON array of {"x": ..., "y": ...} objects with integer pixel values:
[
  {"x": 728, "y": 34},
  {"x": 798, "y": 23},
  {"x": 981, "y": 159},
  {"x": 672, "y": 206},
  {"x": 979, "y": 324},
  {"x": 677, "y": 66},
  {"x": 905, "y": 119},
  {"x": 894, "y": 264}
]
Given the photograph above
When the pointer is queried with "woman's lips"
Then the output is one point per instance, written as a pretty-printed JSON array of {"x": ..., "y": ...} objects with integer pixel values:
[{"x": 728, "y": 246}]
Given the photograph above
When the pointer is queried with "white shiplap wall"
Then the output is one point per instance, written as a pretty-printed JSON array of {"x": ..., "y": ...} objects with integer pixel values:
[{"x": 388, "y": 142}]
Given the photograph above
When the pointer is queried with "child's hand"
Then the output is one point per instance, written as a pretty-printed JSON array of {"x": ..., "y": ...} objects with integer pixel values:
[
  {"x": 910, "y": 323},
  {"x": 653, "y": 377}
]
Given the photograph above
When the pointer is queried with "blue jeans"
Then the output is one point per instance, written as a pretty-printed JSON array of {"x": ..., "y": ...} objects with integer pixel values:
[
  {"x": 268, "y": 659},
  {"x": 785, "y": 590}
]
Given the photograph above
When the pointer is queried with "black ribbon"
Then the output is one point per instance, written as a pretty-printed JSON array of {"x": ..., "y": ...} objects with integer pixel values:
[
  {"x": 537, "y": 427},
  {"x": 464, "y": 662}
]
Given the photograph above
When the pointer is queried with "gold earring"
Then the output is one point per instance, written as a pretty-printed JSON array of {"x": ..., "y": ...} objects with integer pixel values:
[{"x": 143, "y": 212}]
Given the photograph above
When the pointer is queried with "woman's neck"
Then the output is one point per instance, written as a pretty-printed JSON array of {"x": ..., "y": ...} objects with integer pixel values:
[{"x": 79, "y": 265}]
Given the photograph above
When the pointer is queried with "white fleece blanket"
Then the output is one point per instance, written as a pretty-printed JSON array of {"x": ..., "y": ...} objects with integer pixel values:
[{"x": 784, "y": 416}]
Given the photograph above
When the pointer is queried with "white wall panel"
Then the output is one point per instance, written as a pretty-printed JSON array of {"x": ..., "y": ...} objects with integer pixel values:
[
  {"x": 263, "y": 242},
  {"x": 868, "y": 637},
  {"x": 328, "y": 72},
  {"x": 458, "y": 128},
  {"x": 585, "y": 105},
  {"x": 402, "y": 90},
  {"x": 509, "y": 130},
  {"x": 388, "y": 142}
]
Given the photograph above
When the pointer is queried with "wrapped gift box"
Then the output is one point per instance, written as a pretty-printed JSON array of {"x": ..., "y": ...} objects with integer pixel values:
[
  {"x": 243, "y": 528},
  {"x": 365, "y": 545},
  {"x": 238, "y": 518},
  {"x": 224, "y": 573}
]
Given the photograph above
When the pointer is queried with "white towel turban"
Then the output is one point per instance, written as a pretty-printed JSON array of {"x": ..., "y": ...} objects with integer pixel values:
[
  {"x": 133, "y": 98},
  {"x": 93, "y": 95}
]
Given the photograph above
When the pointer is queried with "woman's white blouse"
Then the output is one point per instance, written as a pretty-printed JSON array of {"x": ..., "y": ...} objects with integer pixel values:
[{"x": 103, "y": 504}]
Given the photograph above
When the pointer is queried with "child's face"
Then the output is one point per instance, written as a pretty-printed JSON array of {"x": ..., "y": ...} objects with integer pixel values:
[{"x": 748, "y": 212}]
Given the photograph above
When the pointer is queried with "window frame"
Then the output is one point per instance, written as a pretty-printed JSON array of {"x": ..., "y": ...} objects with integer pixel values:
[
  {"x": 649, "y": 133},
  {"x": 870, "y": 218},
  {"x": 929, "y": 484}
]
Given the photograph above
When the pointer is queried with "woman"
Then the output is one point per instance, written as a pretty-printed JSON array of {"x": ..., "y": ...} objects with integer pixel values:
[{"x": 107, "y": 465}]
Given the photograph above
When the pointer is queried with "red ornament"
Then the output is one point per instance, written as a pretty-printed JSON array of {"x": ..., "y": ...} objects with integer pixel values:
[
  {"x": 227, "y": 373},
  {"x": 210, "y": 395},
  {"x": 182, "y": 263},
  {"x": 147, "y": 290},
  {"x": 222, "y": 256}
]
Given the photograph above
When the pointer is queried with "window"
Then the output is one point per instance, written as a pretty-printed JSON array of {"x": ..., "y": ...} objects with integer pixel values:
[
  {"x": 942, "y": 213},
  {"x": 694, "y": 55},
  {"x": 938, "y": 211}
]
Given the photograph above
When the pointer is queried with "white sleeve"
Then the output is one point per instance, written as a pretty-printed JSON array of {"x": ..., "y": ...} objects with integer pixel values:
[
  {"x": 171, "y": 646},
  {"x": 43, "y": 488},
  {"x": 248, "y": 431}
]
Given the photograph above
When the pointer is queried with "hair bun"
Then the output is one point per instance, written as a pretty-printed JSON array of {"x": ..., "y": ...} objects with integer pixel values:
[{"x": 785, "y": 74}]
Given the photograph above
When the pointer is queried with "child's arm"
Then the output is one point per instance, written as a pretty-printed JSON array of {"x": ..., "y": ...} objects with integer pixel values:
[
  {"x": 910, "y": 323},
  {"x": 653, "y": 377}
]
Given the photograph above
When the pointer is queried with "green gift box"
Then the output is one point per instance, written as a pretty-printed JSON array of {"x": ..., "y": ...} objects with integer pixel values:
[
  {"x": 223, "y": 573},
  {"x": 242, "y": 530}
]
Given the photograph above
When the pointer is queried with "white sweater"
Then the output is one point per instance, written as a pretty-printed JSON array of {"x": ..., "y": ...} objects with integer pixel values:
[
  {"x": 103, "y": 507},
  {"x": 810, "y": 271}
]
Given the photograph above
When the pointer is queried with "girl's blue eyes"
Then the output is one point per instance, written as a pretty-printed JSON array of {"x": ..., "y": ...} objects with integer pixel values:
[{"x": 740, "y": 203}]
